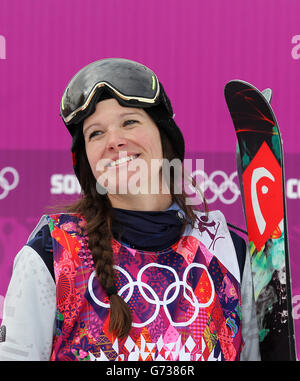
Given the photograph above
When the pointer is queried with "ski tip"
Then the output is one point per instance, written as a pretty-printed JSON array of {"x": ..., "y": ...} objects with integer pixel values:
[
  {"x": 235, "y": 82},
  {"x": 267, "y": 93},
  {"x": 235, "y": 85}
]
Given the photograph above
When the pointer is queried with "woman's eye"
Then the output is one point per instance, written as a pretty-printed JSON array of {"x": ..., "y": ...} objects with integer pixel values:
[
  {"x": 94, "y": 133},
  {"x": 129, "y": 122}
]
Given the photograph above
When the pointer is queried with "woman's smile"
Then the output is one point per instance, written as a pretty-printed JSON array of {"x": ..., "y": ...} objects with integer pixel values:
[{"x": 122, "y": 161}]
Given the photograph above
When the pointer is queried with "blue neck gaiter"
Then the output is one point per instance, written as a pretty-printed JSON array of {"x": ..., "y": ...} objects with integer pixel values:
[{"x": 147, "y": 230}]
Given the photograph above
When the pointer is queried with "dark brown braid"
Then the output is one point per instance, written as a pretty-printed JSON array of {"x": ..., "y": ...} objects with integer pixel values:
[{"x": 97, "y": 209}]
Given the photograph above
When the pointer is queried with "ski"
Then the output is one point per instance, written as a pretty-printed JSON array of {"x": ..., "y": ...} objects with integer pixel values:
[{"x": 260, "y": 168}]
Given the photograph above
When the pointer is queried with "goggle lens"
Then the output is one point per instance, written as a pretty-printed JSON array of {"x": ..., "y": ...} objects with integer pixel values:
[{"x": 130, "y": 81}]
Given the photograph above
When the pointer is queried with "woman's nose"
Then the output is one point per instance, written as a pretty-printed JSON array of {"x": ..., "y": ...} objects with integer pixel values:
[{"x": 115, "y": 140}]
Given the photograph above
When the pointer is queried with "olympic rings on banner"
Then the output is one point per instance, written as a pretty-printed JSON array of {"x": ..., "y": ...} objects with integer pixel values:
[
  {"x": 154, "y": 298},
  {"x": 208, "y": 182},
  {"x": 4, "y": 184}
]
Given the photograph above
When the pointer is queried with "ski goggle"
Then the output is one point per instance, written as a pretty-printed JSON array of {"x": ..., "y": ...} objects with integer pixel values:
[{"x": 132, "y": 83}]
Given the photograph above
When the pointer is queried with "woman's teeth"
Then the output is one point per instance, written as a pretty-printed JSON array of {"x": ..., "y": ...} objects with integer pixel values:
[{"x": 122, "y": 160}]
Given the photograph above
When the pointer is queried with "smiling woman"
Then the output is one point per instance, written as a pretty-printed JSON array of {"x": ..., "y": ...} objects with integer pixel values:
[{"x": 129, "y": 275}]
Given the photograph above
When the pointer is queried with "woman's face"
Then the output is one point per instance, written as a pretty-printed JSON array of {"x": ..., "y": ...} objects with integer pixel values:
[{"x": 113, "y": 132}]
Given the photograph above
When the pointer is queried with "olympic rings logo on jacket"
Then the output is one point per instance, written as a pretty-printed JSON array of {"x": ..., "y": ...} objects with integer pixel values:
[{"x": 154, "y": 299}]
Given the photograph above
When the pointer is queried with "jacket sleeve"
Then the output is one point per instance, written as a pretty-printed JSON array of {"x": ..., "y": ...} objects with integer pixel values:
[
  {"x": 250, "y": 351},
  {"x": 29, "y": 310}
]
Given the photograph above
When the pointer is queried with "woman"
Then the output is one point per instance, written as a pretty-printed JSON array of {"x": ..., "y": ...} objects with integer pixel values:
[{"x": 128, "y": 273}]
